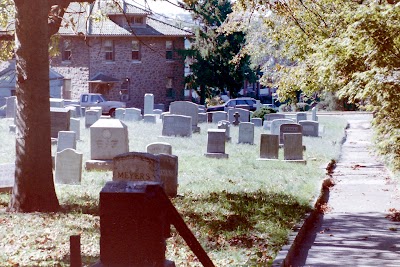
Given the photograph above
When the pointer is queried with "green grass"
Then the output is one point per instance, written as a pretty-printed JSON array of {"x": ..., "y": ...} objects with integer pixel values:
[{"x": 240, "y": 209}]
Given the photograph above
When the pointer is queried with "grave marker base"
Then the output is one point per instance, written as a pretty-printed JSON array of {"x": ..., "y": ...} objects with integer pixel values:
[
  {"x": 265, "y": 159},
  {"x": 217, "y": 155},
  {"x": 302, "y": 161},
  {"x": 99, "y": 165}
]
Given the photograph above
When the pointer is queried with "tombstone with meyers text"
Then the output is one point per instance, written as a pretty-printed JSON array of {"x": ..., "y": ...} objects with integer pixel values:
[
  {"x": 269, "y": 146},
  {"x": 216, "y": 144},
  {"x": 68, "y": 168},
  {"x": 246, "y": 133},
  {"x": 136, "y": 166},
  {"x": 289, "y": 128},
  {"x": 177, "y": 125}
]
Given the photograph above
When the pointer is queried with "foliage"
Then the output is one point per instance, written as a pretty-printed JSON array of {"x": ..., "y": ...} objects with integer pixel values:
[
  {"x": 214, "y": 52},
  {"x": 262, "y": 111},
  {"x": 351, "y": 48}
]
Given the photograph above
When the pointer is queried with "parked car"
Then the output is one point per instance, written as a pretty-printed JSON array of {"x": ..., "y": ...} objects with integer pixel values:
[
  {"x": 242, "y": 102},
  {"x": 98, "y": 100}
]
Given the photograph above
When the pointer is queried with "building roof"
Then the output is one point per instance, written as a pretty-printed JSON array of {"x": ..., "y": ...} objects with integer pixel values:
[
  {"x": 102, "y": 78},
  {"x": 94, "y": 20}
]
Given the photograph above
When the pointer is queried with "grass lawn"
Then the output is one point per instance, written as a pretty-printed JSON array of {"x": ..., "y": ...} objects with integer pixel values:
[{"x": 241, "y": 210}]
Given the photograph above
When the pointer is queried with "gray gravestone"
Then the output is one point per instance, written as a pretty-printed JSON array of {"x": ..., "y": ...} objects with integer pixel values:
[
  {"x": 269, "y": 146},
  {"x": 314, "y": 116},
  {"x": 159, "y": 148},
  {"x": 75, "y": 126},
  {"x": 136, "y": 166},
  {"x": 257, "y": 122},
  {"x": 186, "y": 108},
  {"x": 289, "y": 128},
  {"x": 7, "y": 174},
  {"x": 202, "y": 117},
  {"x": 68, "y": 167},
  {"x": 148, "y": 104},
  {"x": 60, "y": 120},
  {"x": 133, "y": 114},
  {"x": 169, "y": 173},
  {"x": 276, "y": 125},
  {"x": 11, "y": 106},
  {"x": 72, "y": 111},
  {"x": 246, "y": 133},
  {"x": 293, "y": 147},
  {"x": 226, "y": 125},
  {"x": 243, "y": 113},
  {"x": 301, "y": 116},
  {"x": 219, "y": 116},
  {"x": 120, "y": 113},
  {"x": 66, "y": 139},
  {"x": 177, "y": 125},
  {"x": 274, "y": 116},
  {"x": 108, "y": 138},
  {"x": 91, "y": 116},
  {"x": 216, "y": 144},
  {"x": 150, "y": 118},
  {"x": 56, "y": 102},
  {"x": 310, "y": 128}
]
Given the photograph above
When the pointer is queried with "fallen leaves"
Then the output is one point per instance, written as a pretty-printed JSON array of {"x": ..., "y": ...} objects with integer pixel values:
[{"x": 394, "y": 215}]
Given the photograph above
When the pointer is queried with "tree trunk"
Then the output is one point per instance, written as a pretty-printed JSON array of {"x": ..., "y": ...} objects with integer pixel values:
[{"x": 34, "y": 186}]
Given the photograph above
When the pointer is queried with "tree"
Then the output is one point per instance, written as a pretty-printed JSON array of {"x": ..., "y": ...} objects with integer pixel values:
[
  {"x": 351, "y": 48},
  {"x": 34, "y": 25},
  {"x": 214, "y": 52}
]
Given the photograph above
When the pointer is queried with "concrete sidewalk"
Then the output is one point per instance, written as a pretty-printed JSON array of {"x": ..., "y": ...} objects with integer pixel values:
[{"x": 354, "y": 230}]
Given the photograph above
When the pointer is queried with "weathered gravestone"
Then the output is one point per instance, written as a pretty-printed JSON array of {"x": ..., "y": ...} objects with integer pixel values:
[
  {"x": 136, "y": 166},
  {"x": 310, "y": 128},
  {"x": 148, "y": 104},
  {"x": 160, "y": 106},
  {"x": 202, "y": 117},
  {"x": 68, "y": 168},
  {"x": 78, "y": 109},
  {"x": 289, "y": 128},
  {"x": 91, "y": 116},
  {"x": 56, "y": 102},
  {"x": 243, "y": 113},
  {"x": 246, "y": 133},
  {"x": 169, "y": 173},
  {"x": 11, "y": 106},
  {"x": 257, "y": 122},
  {"x": 108, "y": 138},
  {"x": 219, "y": 116},
  {"x": 133, "y": 114},
  {"x": 274, "y": 116},
  {"x": 301, "y": 116},
  {"x": 60, "y": 120},
  {"x": 66, "y": 139},
  {"x": 7, "y": 174},
  {"x": 177, "y": 125},
  {"x": 314, "y": 116},
  {"x": 186, "y": 108},
  {"x": 159, "y": 148},
  {"x": 216, "y": 144},
  {"x": 293, "y": 147},
  {"x": 75, "y": 126},
  {"x": 276, "y": 125},
  {"x": 72, "y": 111},
  {"x": 269, "y": 146},
  {"x": 120, "y": 113},
  {"x": 150, "y": 118},
  {"x": 226, "y": 125}
]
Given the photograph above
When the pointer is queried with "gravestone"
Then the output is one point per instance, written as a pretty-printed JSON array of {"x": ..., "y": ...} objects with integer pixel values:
[
  {"x": 246, "y": 133},
  {"x": 293, "y": 147},
  {"x": 257, "y": 122},
  {"x": 289, "y": 128},
  {"x": 120, "y": 113},
  {"x": 236, "y": 119},
  {"x": 136, "y": 166},
  {"x": 150, "y": 118},
  {"x": 160, "y": 106},
  {"x": 310, "y": 128},
  {"x": 11, "y": 106},
  {"x": 202, "y": 117},
  {"x": 259, "y": 105},
  {"x": 158, "y": 112},
  {"x": 301, "y": 116},
  {"x": 7, "y": 174},
  {"x": 56, "y": 102},
  {"x": 75, "y": 126},
  {"x": 216, "y": 144},
  {"x": 91, "y": 116},
  {"x": 169, "y": 173},
  {"x": 108, "y": 138},
  {"x": 314, "y": 116},
  {"x": 60, "y": 121},
  {"x": 186, "y": 108},
  {"x": 268, "y": 118},
  {"x": 177, "y": 125},
  {"x": 243, "y": 113},
  {"x": 202, "y": 109},
  {"x": 159, "y": 148},
  {"x": 269, "y": 146},
  {"x": 133, "y": 114},
  {"x": 219, "y": 116},
  {"x": 66, "y": 139},
  {"x": 78, "y": 109},
  {"x": 226, "y": 125},
  {"x": 73, "y": 112},
  {"x": 148, "y": 104},
  {"x": 68, "y": 168},
  {"x": 276, "y": 125}
]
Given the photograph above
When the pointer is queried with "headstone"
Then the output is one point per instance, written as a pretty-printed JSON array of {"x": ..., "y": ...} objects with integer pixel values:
[
  {"x": 177, "y": 125},
  {"x": 7, "y": 174},
  {"x": 66, "y": 139},
  {"x": 60, "y": 120},
  {"x": 293, "y": 147},
  {"x": 314, "y": 116},
  {"x": 273, "y": 116},
  {"x": 202, "y": 117},
  {"x": 159, "y": 106},
  {"x": 136, "y": 166},
  {"x": 169, "y": 173},
  {"x": 68, "y": 167},
  {"x": 219, "y": 116},
  {"x": 269, "y": 146},
  {"x": 158, "y": 112},
  {"x": 75, "y": 126},
  {"x": 186, "y": 108},
  {"x": 91, "y": 116},
  {"x": 56, "y": 102},
  {"x": 133, "y": 114},
  {"x": 11, "y": 106},
  {"x": 159, "y": 148},
  {"x": 78, "y": 109},
  {"x": 120, "y": 113},
  {"x": 226, "y": 125},
  {"x": 301, "y": 116},
  {"x": 246, "y": 133},
  {"x": 244, "y": 114},
  {"x": 108, "y": 138},
  {"x": 276, "y": 125},
  {"x": 236, "y": 119},
  {"x": 310, "y": 128},
  {"x": 73, "y": 112},
  {"x": 150, "y": 118},
  {"x": 202, "y": 109},
  {"x": 289, "y": 128},
  {"x": 216, "y": 144},
  {"x": 259, "y": 105},
  {"x": 148, "y": 104},
  {"x": 257, "y": 122}
]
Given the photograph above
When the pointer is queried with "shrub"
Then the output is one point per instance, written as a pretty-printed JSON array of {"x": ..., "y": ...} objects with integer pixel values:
[{"x": 262, "y": 111}]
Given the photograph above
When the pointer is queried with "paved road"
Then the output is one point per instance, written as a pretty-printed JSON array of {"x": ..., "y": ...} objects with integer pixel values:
[{"x": 355, "y": 230}]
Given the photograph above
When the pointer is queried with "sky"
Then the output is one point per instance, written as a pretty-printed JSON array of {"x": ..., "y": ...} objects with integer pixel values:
[{"x": 160, "y": 6}]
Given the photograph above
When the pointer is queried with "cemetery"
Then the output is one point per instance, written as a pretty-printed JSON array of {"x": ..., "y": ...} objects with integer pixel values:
[{"x": 240, "y": 205}]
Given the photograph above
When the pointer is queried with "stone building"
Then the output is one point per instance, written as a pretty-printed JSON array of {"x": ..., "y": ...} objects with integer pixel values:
[{"x": 123, "y": 54}]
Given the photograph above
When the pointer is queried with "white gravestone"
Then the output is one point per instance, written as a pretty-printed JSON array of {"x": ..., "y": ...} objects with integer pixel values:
[
  {"x": 150, "y": 118},
  {"x": 276, "y": 125},
  {"x": 56, "y": 102},
  {"x": 66, "y": 139},
  {"x": 75, "y": 126},
  {"x": 108, "y": 138},
  {"x": 314, "y": 116},
  {"x": 226, "y": 125},
  {"x": 219, "y": 116},
  {"x": 257, "y": 122},
  {"x": 246, "y": 133},
  {"x": 177, "y": 125},
  {"x": 216, "y": 144},
  {"x": 91, "y": 116},
  {"x": 68, "y": 167},
  {"x": 159, "y": 148},
  {"x": 148, "y": 104},
  {"x": 186, "y": 108},
  {"x": 120, "y": 113},
  {"x": 133, "y": 114}
]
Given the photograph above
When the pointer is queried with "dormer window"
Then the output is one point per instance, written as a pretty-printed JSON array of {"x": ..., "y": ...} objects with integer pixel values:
[{"x": 137, "y": 21}]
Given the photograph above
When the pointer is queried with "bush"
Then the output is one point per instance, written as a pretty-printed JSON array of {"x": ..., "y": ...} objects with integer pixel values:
[{"x": 262, "y": 111}]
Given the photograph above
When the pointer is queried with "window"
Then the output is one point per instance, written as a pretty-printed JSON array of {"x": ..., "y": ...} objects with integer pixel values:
[
  {"x": 169, "y": 50},
  {"x": 109, "y": 50},
  {"x": 135, "y": 50},
  {"x": 66, "y": 50},
  {"x": 137, "y": 20}
]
